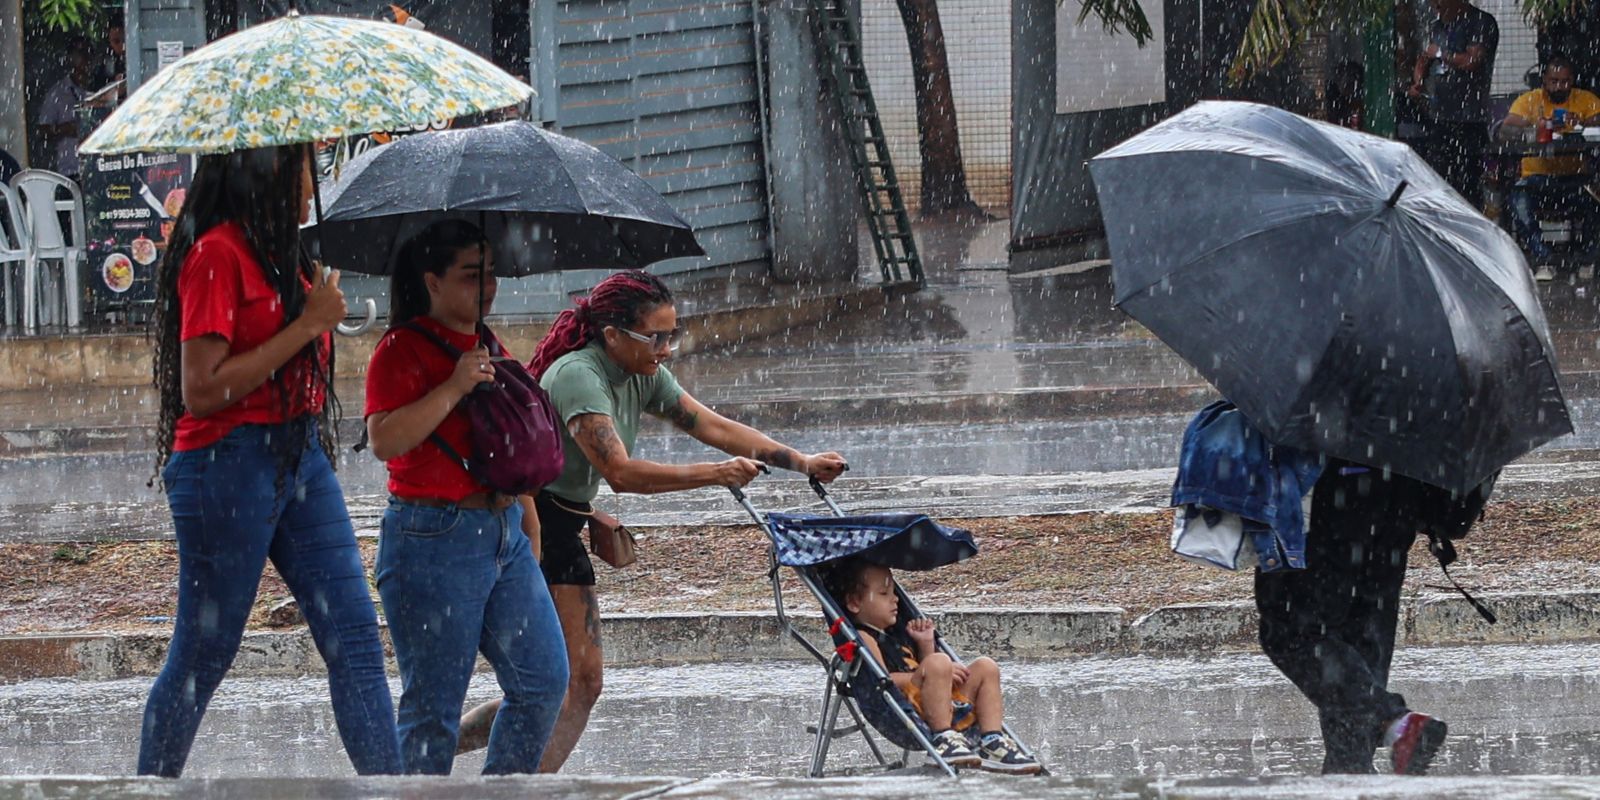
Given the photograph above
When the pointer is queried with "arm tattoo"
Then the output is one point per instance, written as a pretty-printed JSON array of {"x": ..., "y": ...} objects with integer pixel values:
[
  {"x": 681, "y": 417},
  {"x": 599, "y": 437},
  {"x": 782, "y": 458}
]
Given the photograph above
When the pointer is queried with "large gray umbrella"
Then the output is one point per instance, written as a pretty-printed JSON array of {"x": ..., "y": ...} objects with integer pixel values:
[
  {"x": 546, "y": 201},
  {"x": 1334, "y": 288}
]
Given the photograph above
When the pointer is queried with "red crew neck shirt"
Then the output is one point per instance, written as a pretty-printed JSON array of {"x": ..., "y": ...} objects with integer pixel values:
[
  {"x": 222, "y": 291},
  {"x": 406, "y": 366}
]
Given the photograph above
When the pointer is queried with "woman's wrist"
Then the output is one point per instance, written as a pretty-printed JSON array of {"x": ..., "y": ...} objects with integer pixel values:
[
  {"x": 456, "y": 392},
  {"x": 304, "y": 331}
]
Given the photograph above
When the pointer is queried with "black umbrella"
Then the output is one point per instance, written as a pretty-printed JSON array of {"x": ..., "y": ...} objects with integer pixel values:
[
  {"x": 1334, "y": 288},
  {"x": 545, "y": 201}
]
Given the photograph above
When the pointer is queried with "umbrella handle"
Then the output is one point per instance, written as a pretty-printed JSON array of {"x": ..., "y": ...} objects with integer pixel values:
[{"x": 365, "y": 324}]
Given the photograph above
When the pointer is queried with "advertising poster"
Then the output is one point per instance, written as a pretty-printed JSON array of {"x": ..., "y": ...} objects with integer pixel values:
[
  {"x": 333, "y": 154},
  {"x": 131, "y": 202}
]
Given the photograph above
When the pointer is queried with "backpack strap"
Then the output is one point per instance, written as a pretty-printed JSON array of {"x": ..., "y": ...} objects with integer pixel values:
[
  {"x": 439, "y": 442},
  {"x": 417, "y": 327},
  {"x": 455, "y": 353},
  {"x": 1445, "y": 551}
]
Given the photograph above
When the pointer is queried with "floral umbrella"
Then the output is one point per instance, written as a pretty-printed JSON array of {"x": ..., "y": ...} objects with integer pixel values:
[{"x": 302, "y": 79}]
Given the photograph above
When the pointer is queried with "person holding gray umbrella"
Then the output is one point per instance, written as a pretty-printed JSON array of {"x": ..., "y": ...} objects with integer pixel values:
[
  {"x": 456, "y": 566},
  {"x": 1350, "y": 304},
  {"x": 1330, "y": 628},
  {"x": 548, "y": 202}
]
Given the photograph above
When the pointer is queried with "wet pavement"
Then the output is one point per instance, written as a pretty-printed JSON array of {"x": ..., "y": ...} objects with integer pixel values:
[
  {"x": 1185, "y": 728},
  {"x": 1513, "y": 710},
  {"x": 895, "y": 788},
  {"x": 981, "y": 377},
  {"x": 975, "y": 331},
  {"x": 945, "y": 471}
]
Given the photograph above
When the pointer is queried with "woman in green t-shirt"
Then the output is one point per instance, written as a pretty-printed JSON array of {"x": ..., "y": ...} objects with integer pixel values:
[{"x": 603, "y": 365}]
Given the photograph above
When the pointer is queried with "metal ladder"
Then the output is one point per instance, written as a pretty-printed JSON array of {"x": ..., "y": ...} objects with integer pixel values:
[{"x": 839, "y": 51}]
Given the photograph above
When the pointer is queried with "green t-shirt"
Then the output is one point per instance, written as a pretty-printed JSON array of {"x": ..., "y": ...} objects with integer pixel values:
[{"x": 587, "y": 381}]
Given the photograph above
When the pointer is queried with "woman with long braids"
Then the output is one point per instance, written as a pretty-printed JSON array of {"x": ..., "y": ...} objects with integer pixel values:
[
  {"x": 455, "y": 563},
  {"x": 243, "y": 366},
  {"x": 603, "y": 364}
]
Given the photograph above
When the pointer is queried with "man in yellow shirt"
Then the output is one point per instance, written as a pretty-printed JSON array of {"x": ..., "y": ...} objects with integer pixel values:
[{"x": 1561, "y": 180}]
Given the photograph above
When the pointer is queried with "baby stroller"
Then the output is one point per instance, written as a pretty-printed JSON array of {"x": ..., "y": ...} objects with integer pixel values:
[{"x": 855, "y": 681}]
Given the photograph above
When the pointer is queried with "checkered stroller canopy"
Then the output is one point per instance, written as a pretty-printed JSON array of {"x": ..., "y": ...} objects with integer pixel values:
[{"x": 899, "y": 541}]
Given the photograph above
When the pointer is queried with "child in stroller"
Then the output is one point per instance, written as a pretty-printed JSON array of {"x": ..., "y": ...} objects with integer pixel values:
[{"x": 937, "y": 686}]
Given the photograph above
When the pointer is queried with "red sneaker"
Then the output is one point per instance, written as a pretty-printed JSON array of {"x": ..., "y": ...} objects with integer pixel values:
[{"x": 1421, "y": 737}]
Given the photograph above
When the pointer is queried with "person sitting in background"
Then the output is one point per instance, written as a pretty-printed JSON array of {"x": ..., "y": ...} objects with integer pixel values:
[
  {"x": 1560, "y": 180},
  {"x": 113, "y": 64},
  {"x": 58, "y": 114}
]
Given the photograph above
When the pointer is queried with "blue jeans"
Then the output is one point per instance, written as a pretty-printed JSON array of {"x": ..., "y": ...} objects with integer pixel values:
[
  {"x": 1535, "y": 190},
  {"x": 231, "y": 515},
  {"x": 456, "y": 582}
]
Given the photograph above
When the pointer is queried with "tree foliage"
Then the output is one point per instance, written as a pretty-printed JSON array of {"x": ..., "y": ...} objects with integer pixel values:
[
  {"x": 1117, "y": 16},
  {"x": 66, "y": 15},
  {"x": 1277, "y": 27}
]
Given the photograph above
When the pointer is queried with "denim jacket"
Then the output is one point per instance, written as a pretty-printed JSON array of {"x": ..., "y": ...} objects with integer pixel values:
[{"x": 1229, "y": 466}]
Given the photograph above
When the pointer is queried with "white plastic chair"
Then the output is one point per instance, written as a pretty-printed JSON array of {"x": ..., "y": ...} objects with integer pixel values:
[
  {"x": 14, "y": 244},
  {"x": 40, "y": 190}
]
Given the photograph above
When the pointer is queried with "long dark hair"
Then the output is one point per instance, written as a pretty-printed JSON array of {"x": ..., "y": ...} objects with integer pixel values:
[
  {"x": 431, "y": 251},
  {"x": 618, "y": 301},
  {"x": 258, "y": 189}
]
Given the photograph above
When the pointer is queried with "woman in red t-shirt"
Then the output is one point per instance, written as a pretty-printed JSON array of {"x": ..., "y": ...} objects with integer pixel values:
[
  {"x": 243, "y": 366},
  {"x": 455, "y": 564}
]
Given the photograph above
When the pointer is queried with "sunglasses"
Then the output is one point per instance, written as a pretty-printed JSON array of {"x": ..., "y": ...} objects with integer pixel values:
[{"x": 668, "y": 339}]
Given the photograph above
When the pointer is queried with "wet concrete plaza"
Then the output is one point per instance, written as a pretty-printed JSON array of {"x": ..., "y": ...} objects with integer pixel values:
[
  {"x": 950, "y": 401},
  {"x": 1513, "y": 710}
]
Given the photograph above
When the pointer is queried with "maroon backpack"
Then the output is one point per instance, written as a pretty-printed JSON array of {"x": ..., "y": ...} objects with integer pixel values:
[{"x": 516, "y": 433}]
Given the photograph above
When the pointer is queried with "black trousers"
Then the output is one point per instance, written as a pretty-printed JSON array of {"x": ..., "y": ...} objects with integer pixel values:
[
  {"x": 1330, "y": 628},
  {"x": 1455, "y": 150}
]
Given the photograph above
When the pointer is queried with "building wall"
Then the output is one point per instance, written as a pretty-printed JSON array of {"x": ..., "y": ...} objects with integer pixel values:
[
  {"x": 978, "y": 39},
  {"x": 13, "y": 135}
]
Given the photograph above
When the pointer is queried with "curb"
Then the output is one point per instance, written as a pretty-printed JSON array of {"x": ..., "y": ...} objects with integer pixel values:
[{"x": 687, "y": 638}]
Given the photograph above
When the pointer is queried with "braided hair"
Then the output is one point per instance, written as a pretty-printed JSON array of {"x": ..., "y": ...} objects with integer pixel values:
[
  {"x": 259, "y": 189},
  {"x": 618, "y": 301}
]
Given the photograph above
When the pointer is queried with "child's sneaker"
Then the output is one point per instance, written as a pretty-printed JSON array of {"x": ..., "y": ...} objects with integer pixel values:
[
  {"x": 1419, "y": 740},
  {"x": 1001, "y": 754},
  {"x": 952, "y": 747}
]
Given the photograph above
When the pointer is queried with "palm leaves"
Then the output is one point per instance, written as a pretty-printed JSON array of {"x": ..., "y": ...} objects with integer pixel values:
[
  {"x": 1125, "y": 15},
  {"x": 1277, "y": 27}
]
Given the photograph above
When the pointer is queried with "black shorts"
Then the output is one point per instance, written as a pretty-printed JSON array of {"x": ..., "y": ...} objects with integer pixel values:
[{"x": 565, "y": 560}]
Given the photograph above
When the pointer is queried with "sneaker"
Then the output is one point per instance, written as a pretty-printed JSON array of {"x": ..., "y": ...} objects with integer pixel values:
[
  {"x": 1421, "y": 736},
  {"x": 1544, "y": 272},
  {"x": 952, "y": 747},
  {"x": 1001, "y": 754}
]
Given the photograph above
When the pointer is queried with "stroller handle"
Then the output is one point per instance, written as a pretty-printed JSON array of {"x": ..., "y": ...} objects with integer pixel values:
[
  {"x": 816, "y": 483},
  {"x": 738, "y": 494}
]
